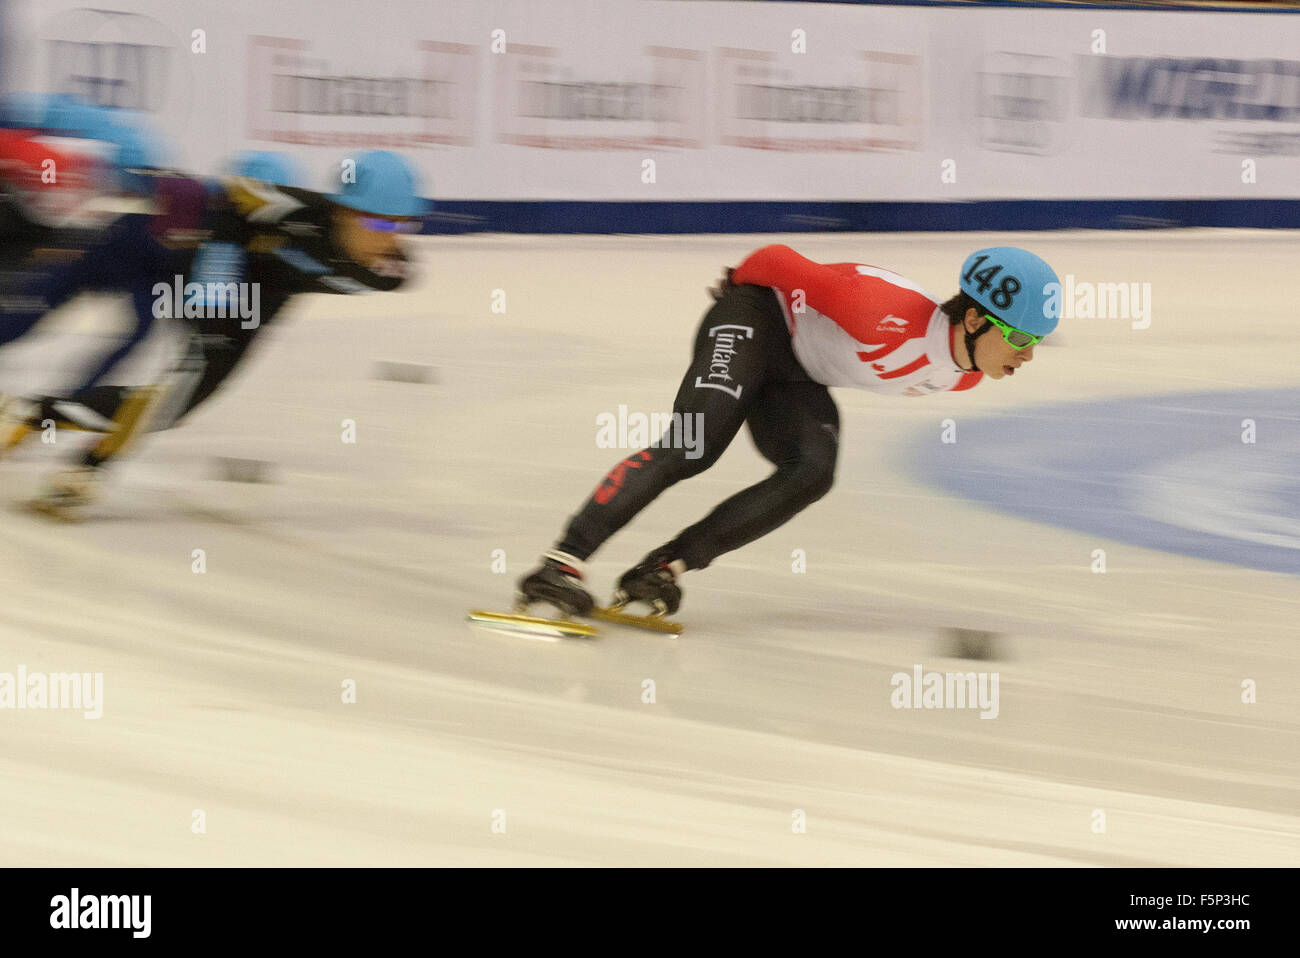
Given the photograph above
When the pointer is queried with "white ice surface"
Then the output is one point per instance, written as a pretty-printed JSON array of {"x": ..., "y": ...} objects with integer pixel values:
[{"x": 1119, "y": 692}]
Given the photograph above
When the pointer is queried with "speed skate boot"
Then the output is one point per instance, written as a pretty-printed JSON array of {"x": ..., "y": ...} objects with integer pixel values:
[
  {"x": 653, "y": 581},
  {"x": 558, "y": 581},
  {"x": 67, "y": 492},
  {"x": 16, "y": 421}
]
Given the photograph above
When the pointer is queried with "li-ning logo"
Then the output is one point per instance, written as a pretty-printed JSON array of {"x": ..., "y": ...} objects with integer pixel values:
[
  {"x": 724, "y": 349},
  {"x": 891, "y": 322}
]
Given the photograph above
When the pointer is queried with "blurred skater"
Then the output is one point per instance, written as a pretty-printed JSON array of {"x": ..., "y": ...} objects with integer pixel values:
[{"x": 227, "y": 268}]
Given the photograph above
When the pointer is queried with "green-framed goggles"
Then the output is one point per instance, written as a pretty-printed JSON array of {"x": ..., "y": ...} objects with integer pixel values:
[{"x": 1016, "y": 338}]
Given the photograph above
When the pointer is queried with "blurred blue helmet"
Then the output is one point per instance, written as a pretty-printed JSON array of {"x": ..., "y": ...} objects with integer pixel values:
[
  {"x": 132, "y": 149},
  {"x": 384, "y": 184},
  {"x": 58, "y": 113},
  {"x": 70, "y": 116},
  {"x": 1014, "y": 285},
  {"x": 269, "y": 166},
  {"x": 25, "y": 110},
  {"x": 134, "y": 145}
]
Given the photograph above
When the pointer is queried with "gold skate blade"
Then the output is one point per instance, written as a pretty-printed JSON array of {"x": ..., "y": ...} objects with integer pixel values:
[
  {"x": 533, "y": 625},
  {"x": 654, "y": 621},
  {"x": 50, "y": 510}
]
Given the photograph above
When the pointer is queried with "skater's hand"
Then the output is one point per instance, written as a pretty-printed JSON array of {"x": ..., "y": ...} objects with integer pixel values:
[{"x": 720, "y": 289}]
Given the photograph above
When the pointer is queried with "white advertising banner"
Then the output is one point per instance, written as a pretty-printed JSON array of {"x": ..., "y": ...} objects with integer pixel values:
[{"x": 670, "y": 100}]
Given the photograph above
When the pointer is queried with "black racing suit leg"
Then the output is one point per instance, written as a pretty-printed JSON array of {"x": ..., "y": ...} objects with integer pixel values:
[
  {"x": 795, "y": 425},
  {"x": 728, "y": 369}
]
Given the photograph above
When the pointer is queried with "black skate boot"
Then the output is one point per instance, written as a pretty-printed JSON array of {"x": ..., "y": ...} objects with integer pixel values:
[
  {"x": 558, "y": 580},
  {"x": 652, "y": 581}
]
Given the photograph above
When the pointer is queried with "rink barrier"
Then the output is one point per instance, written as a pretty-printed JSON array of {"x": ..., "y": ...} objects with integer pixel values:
[
  {"x": 472, "y": 216},
  {"x": 941, "y": 111}
]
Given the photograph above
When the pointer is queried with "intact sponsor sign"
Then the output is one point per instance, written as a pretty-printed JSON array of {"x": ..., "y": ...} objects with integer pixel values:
[
  {"x": 297, "y": 96},
  {"x": 764, "y": 103},
  {"x": 655, "y": 98}
]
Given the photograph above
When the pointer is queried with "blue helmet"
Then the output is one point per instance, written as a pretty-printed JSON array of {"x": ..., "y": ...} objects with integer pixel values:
[
  {"x": 383, "y": 184},
  {"x": 1014, "y": 285},
  {"x": 269, "y": 166},
  {"x": 70, "y": 116},
  {"x": 58, "y": 113},
  {"x": 25, "y": 110},
  {"x": 135, "y": 147}
]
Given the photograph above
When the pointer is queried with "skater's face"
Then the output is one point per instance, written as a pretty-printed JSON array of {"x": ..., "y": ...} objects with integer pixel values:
[
  {"x": 993, "y": 354},
  {"x": 361, "y": 242}
]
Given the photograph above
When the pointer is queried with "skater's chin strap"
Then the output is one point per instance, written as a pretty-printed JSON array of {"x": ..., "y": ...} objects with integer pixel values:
[{"x": 970, "y": 343}]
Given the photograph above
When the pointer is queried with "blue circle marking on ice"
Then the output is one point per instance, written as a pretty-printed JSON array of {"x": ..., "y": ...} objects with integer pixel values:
[{"x": 1164, "y": 472}]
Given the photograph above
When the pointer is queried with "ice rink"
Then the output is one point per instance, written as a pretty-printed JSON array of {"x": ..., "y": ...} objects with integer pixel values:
[{"x": 1121, "y": 736}]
